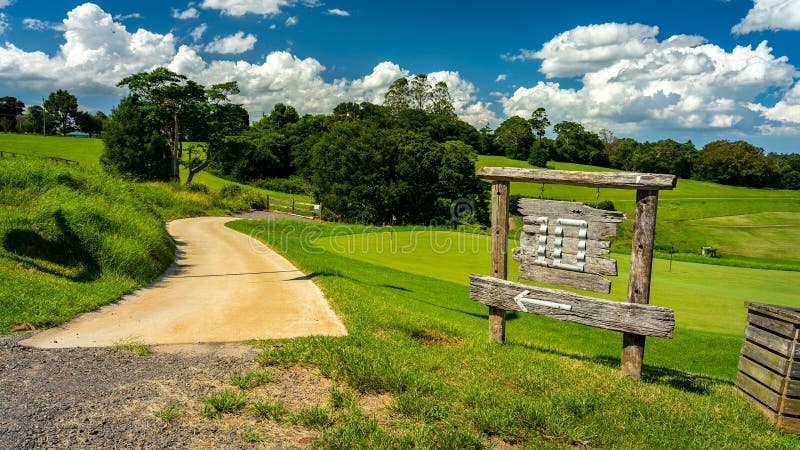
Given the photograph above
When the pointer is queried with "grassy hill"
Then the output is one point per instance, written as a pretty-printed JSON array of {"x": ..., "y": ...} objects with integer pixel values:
[{"x": 748, "y": 226}]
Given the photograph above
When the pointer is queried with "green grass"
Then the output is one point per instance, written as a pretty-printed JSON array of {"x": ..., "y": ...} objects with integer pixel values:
[
  {"x": 134, "y": 346},
  {"x": 421, "y": 340},
  {"x": 84, "y": 150},
  {"x": 223, "y": 402},
  {"x": 167, "y": 413},
  {"x": 270, "y": 409},
  {"x": 250, "y": 379}
]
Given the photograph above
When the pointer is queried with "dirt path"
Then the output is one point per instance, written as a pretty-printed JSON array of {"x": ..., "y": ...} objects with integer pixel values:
[{"x": 223, "y": 287}]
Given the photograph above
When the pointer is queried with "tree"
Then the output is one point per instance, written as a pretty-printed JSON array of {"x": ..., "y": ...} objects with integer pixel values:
[
  {"x": 514, "y": 136},
  {"x": 88, "y": 123},
  {"x": 539, "y": 122},
  {"x": 10, "y": 108},
  {"x": 419, "y": 91},
  {"x": 398, "y": 97},
  {"x": 575, "y": 144},
  {"x": 61, "y": 108},
  {"x": 738, "y": 163},
  {"x": 133, "y": 146},
  {"x": 33, "y": 120},
  {"x": 665, "y": 156},
  {"x": 540, "y": 152},
  {"x": 441, "y": 101},
  {"x": 170, "y": 100}
]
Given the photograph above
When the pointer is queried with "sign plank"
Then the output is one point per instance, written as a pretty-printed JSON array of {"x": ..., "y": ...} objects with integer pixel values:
[
  {"x": 646, "y": 320},
  {"x": 580, "y": 280},
  {"x": 568, "y": 210},
  {"x": 619, "y": 180}
]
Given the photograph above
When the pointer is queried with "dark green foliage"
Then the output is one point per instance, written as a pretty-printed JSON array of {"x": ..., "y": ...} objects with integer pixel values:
[
  {"x": 371, "y": 175},
  {"x": 133, "y": 147},
  {"x": 514, "y": 137},
  {"x": 291, "y": 185},
  {"x": 540, "y": 152},
  {"x": 665, "y": 156},
  {"x": 62, "y": 108},
  {"x": 575, "y": 144},
  {"x": 10, "y": 108},
  {"x": 738, "y": 163}
]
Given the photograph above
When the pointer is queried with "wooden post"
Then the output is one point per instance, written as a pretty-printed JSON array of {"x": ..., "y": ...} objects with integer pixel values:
[
  {"x": 644, "y": 231},
  {"x": 266, "y": 208},
  {"x": 292, "y": 206},
  {"x": 497, "y": 316},
  {"x": 320, "y": 211}
]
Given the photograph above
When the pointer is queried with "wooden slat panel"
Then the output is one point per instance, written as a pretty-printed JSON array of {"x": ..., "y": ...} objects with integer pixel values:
[
  {"x": 758, "y": 391},
  {"x": 761, "y": 374},
  {"x": 560, "y": 277},
  {"x": 791, "y": 406},
  {"x": 567, "y": 210},
  {"x": 793, "y": 389},
  {"x": 596, "y": 230},
  {"x": 775, "y": 325},
  {"x": 785, "y": 313},
  {"x": 795, "y": 371},
  {"x": 776, "y": 363},
  {"x": 595, "y": 265},
  {"x": 766, "y": 339},
  {"x": 645, "y": 320},
  {"x": 620, "y": 180},
  {"x": 790, "y": 424}
]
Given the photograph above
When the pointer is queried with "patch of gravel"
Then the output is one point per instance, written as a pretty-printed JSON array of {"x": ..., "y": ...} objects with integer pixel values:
[{"x": 105, "y": 398}]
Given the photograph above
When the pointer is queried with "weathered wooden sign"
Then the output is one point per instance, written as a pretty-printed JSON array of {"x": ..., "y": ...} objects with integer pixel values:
[{"x": 566, "y": 243}]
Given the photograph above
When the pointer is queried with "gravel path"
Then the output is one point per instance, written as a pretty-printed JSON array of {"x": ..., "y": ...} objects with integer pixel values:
[{"x": 106, "y": 398}]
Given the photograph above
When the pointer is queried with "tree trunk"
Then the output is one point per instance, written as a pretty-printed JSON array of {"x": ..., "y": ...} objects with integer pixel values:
[
  {"x": 195, "y": 170},
  {"x": 176, "y": 175}
]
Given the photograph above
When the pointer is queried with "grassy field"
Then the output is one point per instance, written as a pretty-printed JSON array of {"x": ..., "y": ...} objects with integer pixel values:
[
  {"x": 767, "y": 213},
  {"x": 87, "y": 152},
  {"x": 416, "y": 336}
]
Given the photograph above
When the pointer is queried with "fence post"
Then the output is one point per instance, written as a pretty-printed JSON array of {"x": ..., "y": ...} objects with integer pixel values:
[
  {"x": 497, "y": 316},
  {"x": 292, "y": 206},
  {"x": 320, "y": 211},
  {"x": 644, "y": 230},
  {"x": 266, "y": 208}
]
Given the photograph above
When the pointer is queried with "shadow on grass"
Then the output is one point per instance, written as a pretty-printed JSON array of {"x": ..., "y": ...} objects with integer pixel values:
[
  {"x": 66, "y": 251},
  {"x": 678, "y": 379}
]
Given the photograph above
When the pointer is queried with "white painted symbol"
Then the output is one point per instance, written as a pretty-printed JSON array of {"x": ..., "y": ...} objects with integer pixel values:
[
  {"x": 521, "y": 300},
  {"x": 558, "y": 243}
]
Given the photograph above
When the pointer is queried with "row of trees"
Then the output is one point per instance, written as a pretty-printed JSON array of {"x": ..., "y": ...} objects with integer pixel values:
[
  {"x": 728, "y": 162},
  {"x": 58, "y": 114}
]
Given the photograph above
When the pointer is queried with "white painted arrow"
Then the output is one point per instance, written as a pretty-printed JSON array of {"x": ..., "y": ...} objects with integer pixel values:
[{"x": 521, "y": 300}]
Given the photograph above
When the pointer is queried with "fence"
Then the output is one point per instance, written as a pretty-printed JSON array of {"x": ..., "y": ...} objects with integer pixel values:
[
  {"x": 4, "y": 154},
  {"x": 291, "y": 206}
]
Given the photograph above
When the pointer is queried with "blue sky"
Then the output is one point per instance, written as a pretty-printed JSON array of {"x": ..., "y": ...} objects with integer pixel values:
[{"x": 699, "y": 70}]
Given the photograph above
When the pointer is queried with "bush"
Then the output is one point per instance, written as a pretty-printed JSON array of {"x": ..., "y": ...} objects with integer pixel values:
[
  {"x": 196, "y": 187},
  {"x": 229, "y": 191},
  {"x": 291, "y": 185}
]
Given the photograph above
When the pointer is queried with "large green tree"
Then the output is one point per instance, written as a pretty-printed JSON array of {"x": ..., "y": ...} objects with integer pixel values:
[
  {"x": 733, "y": 162},
  {"x": 133, "y": 145},
  {"x": 418, "y": 94},
  {"x": 61, "y": 109},
  {"x": 575, "y": 144},
  {"x": 539, "y": 122}
]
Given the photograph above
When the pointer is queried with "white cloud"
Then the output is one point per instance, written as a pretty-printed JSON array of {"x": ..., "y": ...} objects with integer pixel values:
[
  {"x": 199, "y": 31},
  {"x": 501, "y": 77},
  {"x": 242, "y": 7},
  {"x": 273, "y": 26},
  {"x": 233, "y": 44},
  {"x": 127, "y": 16},
  {"x": 35, "y": 24},
  {"x": 3, "y": 22},
  {"x": 631, "y": 81},
  {"x": 189, "y": 13},
  {"x": 4, "y": 3},
  {"x": 770, "y": 15},
  {"x": 787, "y": 110},
  {"x": 338, "y": 12},
  {"x": 291, "y": 21},
  {"x": 465, "y": 99}
]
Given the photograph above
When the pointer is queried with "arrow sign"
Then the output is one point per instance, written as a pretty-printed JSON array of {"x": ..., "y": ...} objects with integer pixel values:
[{"x": 521, "y": 300}]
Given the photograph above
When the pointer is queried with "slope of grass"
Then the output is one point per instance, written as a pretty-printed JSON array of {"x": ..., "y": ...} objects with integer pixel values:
[
  {"x": 552, "y": 385},
  {"x": 84, "y": 150},
  {"x": 74, "y": 238}
]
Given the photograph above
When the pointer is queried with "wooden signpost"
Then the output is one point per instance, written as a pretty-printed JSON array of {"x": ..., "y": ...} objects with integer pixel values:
[{"x": 566, "y": 243}]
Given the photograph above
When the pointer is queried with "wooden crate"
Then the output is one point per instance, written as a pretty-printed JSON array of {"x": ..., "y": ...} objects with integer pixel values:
[{"x": 769, "y": 368}]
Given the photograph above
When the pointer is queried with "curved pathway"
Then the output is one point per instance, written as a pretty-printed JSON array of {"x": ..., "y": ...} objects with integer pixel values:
[{"x": 223, "y": 287}]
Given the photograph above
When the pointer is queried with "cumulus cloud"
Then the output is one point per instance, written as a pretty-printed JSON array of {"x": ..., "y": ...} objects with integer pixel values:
[
  {"x": 291, "y": 21},
  {"x": 338, "y": 12},
  {"x": 242, "y": 7},
  {"x": 630, "y": 80},
  {"x": 501, "y": 77},
  {"x": 199, "y": 31},
  {"x": 787, "y": 110},
  {"x": 35, "y": 24},
  {"x": 3, "y": 22},
  {"x": 4, "y": 3},
  {"x": 121, "y": 17},
  {"x": 189, "y": 13},
  {"x": 770, "y": 15},
  {"x": 233, "y": 44}
]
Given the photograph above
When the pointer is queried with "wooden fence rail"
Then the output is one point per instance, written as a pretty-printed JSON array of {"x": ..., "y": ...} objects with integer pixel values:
[
  {"x": 5, "y": 154},
  {"x": 294, "y": 207}
]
